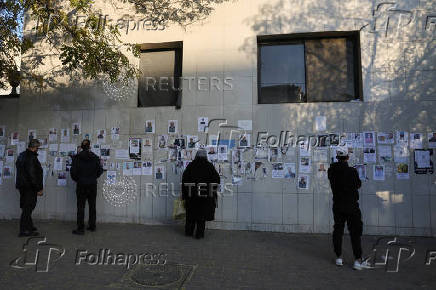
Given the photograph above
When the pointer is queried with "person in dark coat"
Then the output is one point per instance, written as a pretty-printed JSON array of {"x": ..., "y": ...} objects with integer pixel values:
[
  {"x": 30, "y": 184},
  {"x": 85, "y": 170},
  {"x": 345, "y": 182},
  {"x": 199, "y": 191}
]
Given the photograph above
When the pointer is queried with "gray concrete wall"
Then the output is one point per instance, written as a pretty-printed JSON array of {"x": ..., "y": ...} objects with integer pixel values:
[{"x": 398, "y": 70}]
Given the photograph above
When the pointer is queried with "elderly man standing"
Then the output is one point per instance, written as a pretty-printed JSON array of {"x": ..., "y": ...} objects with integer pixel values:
[
  {"x": 30, "y": 184},
  {"x": 200, "y": 182}
]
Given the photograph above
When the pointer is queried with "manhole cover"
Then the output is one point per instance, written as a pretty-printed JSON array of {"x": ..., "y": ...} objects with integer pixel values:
[{"x": 168, "y": 276}]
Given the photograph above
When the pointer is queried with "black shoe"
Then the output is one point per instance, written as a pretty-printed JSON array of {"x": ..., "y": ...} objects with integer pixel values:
[
  {"x": 34, "y": 229},
  {"x": 28, "y": 234},
  {"x": 92, "y": 229},
  {"x": 79, "y": 232}
]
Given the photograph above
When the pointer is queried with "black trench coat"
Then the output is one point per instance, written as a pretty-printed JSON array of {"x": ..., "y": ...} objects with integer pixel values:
[{"x": 200, "y": 204}]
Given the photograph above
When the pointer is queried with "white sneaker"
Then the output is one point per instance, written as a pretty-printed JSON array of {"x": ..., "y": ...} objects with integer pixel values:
[
  {"x": 357, "y": 265},
  {"x": 339, "y": 262}
]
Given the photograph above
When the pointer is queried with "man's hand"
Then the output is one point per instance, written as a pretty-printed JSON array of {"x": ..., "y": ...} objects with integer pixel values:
[{"x": 40, "y": 193}]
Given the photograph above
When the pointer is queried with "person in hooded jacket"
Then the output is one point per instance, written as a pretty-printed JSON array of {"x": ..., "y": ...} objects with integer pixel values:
[
  {"x": 345, "y": 182},
  {"x": 85, "y": 171},
  {"x": 30, "y": 184},
  {"x": 199, "y": 191}
]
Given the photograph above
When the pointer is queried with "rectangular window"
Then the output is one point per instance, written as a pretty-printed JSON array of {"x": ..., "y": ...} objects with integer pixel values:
[
  {"x": 309, "y": 67},
  {"x": 161, "y": 69}
]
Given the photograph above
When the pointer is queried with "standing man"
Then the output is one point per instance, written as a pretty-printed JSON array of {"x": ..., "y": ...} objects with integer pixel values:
[
  {"x": 85, "y": 170},
  {"x": 30, "y": 184},
  {"x": 345, "y": 182},
  {"x": 200, "y": 182}
]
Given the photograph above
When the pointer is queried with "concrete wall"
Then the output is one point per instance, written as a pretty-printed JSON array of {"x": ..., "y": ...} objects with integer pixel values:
[{"x": 398, "y": 70}]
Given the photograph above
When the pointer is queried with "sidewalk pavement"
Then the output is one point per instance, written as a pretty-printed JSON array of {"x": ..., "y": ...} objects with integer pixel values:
[{"x": 222, "y": 260}]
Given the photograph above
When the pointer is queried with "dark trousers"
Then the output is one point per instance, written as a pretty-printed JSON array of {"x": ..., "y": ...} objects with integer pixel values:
[
  {"x": 353, "y": 218},
  {"x": 84, "y": 193},
  {"x": 191, "y": 223},
  {"x": 27, "y": 204}
]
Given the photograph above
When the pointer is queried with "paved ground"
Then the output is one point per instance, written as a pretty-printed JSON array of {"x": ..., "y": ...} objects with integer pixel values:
[{"x": 223, "y": 260}]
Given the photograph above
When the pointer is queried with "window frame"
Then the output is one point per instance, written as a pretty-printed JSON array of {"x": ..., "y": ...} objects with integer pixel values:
[
  {"x": 177, "y": 47},
  {"x": 300, "y": 38}
]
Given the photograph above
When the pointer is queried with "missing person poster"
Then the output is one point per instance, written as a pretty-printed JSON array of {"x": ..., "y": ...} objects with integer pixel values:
[
  {"x": 402, "y": 171},
  {"x": 379, "y": 172},
  {"x": 135, "y": 145},
  {"x": 422, "y": 161}
]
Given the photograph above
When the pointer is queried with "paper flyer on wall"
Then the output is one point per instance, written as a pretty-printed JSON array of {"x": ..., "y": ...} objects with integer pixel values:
[
  {"x": 304, "y": 150},
  {"x": 290, "y": 171},
  {"x": 222, "y": 153},
  {"x": 320, "y": 155},
  {"x": 273, "y": 154},
  {"x": 261, "y": 153},
  {"x": 361, "y": 170},
  {"x": 147, "y": 168},
  {"x": 43, "y": 142},
  {"x": 127, "y": 168},
  {"x": 10, "y": 155},
  {"x": 15, "y": 138},
  {"x": 369, "y": 155},
  {"x": 172, "y": 126},
  {"x": 305, "y": 165},
  {"x": 402, "y": 137},
  {"x": 357, "y": 140},
  {"x": 115, "y": 133},
  {"x": 244, "y": 141},
  {"x": 121, "y": 154},
  {"x": 53, "y": 135},
  {"x": 321, "y": 170},
  {"x": 416, "y": 140},
  {"x": 53, "y": 149},
  {"x": 402, "y": 171},
  {"x": 431, "y": 140},
  {"x": 137, "y": 168},
  {"x": 236, "y": 156},
  {"x": 31, "y": 134},
  {"x": 135, "y": 145},
  {"x": 69, "y": 163},
  {"x": 96, "y": 149},
  {"x": 385, "y": 153},
  {"x": 159, "y": 172},
  {"x": 21, "y": 147},
  {"x": 2, "y": 131},
  {"x": 65, "y": 135},
  {"x": 385, "y": 138},
  {"x": 7, "y": 172},
  {"x": 105, "y": 151},
  {"x": 245, "y": 124},
  {"x": 320, "y": 123},
  {"x": 42, "y": 156},
  {"x": 212, "y": 154},
  {"x": 368, "y": 139},
  {"x": 422, "y": 159},
  {"x": 101, "y": 136},
  {"x": 62, "y": 178},
  {"x": 202, "y": 124},
  {"x": 192, "y": 141},
  {"x": 172, "y": 154},
  {"x": 162, "y": 141},
  {"x": 401, "y": 153},
  {"x": 76, "y": 129},
  {"x": 58, "y": 163},
  {"x": 111, "y": 177},
  {"x": 149, "y": 126},
  {"x": 303, "y": 181},
  {"x": 379, "y": 172},
  {"x": 277, "y": 170},
  {"x": 147, "y": 143}
]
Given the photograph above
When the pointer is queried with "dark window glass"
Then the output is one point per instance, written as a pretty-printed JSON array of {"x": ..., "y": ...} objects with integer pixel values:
[
  {"x": 159, "y": 82},
  {"x": 282, "y": 73},
  {"x": 309, "y": 68}
]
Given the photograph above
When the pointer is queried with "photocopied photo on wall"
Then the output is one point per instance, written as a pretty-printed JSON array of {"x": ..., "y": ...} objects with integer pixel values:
[
  {"x": 31, "y": 134},
  {"x": 369, "y": 139},
  {"x": 416, "y": 140},
  {"x": 385, "y": 138},
  {"x": 149, "y": 126},
  {"x": 53, "y": 135},
  {"x": 111, "y": 177},
  {"x": 379, "y": 172},
  {"x": 15, "y": 138},
  {"x": 402, "y": 137},
  {"x": 115, "y": 133},
  {"x": 62, "y": 178},
  {"x": 101, "y": 136},
  {"x": 172, "y": 126},
  {"x": 76, "y": 129},
  {"x": 65, "y": 135},
  {"x": 431, "y": 140},
  {"x": 202, "y": 124},
  {"x": 303, "y": 181},
  {"x": 402, "y": 171},
  {"x": 159, "y": 172}
]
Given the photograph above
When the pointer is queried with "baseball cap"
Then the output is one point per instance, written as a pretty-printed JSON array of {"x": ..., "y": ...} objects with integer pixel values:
[{"x": 341, "y": 152}]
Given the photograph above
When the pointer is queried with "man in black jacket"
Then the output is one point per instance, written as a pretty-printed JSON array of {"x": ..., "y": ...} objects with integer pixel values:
[
  {"x": 345, "y": 182},
  {"x": 30, "y": 184},
  {"x": 199, "y": 191},
  {"x": 85, "y": 170}
]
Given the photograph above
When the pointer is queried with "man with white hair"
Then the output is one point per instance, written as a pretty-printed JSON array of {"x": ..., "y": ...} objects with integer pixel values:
[
  {"x": 199, "y": 191},
  {"x": 345, "y": 182}
]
